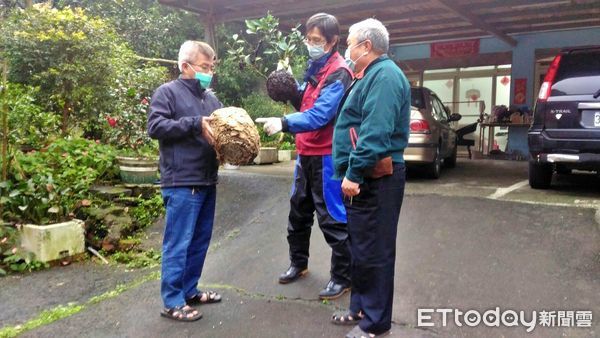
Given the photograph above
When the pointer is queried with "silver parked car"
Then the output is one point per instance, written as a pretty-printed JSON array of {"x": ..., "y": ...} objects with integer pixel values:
[{"x": 432, "y": 141}]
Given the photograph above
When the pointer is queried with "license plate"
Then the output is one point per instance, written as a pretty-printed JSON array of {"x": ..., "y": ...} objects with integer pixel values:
[{"x": 597, "y": 119}]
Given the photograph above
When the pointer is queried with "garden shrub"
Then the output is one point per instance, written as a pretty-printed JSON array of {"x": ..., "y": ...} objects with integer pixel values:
[
  {"x": 125, "y": 127},
  {"x": 28, "y": 123},
  {"x": 260, "y": 105},
  {"x": 49, "y": 185},
  {"x": 73, "y": 58}
]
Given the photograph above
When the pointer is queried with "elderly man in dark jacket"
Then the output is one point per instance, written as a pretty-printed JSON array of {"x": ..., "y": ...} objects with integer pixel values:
[{"x": 179, "y": 119}]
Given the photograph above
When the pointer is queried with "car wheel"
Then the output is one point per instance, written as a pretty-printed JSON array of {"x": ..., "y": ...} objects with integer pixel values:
[
  {"x": 435, "y": 168},
  {"x": 540, "y": 175},
  {"x": 450, "y": 162}
]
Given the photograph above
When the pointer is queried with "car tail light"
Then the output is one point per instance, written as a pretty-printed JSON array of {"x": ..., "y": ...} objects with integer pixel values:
[
  {"x": 419, "y": 127},
  {"x": 546, "y": 87}
]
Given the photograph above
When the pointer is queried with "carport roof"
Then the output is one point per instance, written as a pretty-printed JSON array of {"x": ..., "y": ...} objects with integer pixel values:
[{"x": 414, "y": 21}]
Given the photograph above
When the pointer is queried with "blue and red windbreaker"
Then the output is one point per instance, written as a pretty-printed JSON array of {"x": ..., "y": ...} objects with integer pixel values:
[{"x": 325, "y": 82}]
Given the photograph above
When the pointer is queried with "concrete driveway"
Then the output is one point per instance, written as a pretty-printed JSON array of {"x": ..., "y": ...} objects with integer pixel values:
[{"x": 476, "y": 239}]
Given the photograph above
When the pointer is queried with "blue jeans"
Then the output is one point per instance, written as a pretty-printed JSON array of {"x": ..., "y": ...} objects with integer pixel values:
[{"x": 188, "y": 228}]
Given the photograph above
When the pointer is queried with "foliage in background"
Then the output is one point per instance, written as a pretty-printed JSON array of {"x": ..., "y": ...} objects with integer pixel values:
[
  {"x": 231, "y": 84},
  {"x": 263, "y": 47},
  {"x": 73, "y": 58},
  {"x": 125, "y": 128},
  {"x": 77, "y": 67},
  {"x": 12, "y": 257},
  {"x": 147, "y": 211},
  {"x": 260, "y": 105},
  {"x": 151, "y": 29},
  {"x": 256, "y": 52},
  {"x": 137, "y": 259},
  {"x": 286, "y": 145},
  {"x": 8, "y": 6},
  {"x": 49, "y": 185},
  {"x": 28, "y": 123}
]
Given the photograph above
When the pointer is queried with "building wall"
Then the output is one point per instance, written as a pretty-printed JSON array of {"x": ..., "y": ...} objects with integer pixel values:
[{"x": 523, "y": 54}]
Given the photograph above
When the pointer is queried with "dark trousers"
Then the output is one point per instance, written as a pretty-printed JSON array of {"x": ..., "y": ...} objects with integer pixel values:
[
  {"x": 315, "y": 190},
  {"x": 372, "y": 226}
]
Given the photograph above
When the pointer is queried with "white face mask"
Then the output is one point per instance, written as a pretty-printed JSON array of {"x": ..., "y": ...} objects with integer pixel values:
[{"x": 352, "y": 63}]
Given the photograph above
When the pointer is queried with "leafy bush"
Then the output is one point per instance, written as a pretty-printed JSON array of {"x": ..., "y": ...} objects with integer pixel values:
[
  {"x": 73, "y": 59},
  {"x": 28, "y": 123},
  {"x": 252, "y": 53},
  {"x": 151, "y": 29},
  {"x": 12, "y": 257},
  {"x": 136, "y": 259},
  {"x": 260, "y": 105},
  {"x": 147, "y": 211},
  {"x": 49, "y": 185},
  {"x": 286, "y": 145},
  {"x": 263, "y": 47},
  {"x": 232, "y": 84},
  {"x": 125, "y": 128}
]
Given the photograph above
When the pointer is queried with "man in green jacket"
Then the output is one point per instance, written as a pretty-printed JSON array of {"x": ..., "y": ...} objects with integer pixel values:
[{"x": 369, "y": 139}]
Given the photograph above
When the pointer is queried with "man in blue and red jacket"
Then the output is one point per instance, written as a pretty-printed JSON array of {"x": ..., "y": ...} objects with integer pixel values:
[{"x": 315, "y": 188}]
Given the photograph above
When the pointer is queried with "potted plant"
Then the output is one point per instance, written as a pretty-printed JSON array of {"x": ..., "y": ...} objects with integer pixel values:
[
  {"x": 126, "y": 127},
  {"x": 267, "y": 155},
  {"x": 138, "y": 167},
  {"x": 287, "y": 151}
]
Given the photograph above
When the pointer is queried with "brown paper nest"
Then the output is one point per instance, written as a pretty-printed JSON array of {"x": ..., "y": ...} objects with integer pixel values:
[{"x": 236, "y": 138}]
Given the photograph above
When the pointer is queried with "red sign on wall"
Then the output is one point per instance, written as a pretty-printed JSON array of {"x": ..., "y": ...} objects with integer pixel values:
[
  {"x": 454, "y": 48},
  {"x": 520, "y": 91}
]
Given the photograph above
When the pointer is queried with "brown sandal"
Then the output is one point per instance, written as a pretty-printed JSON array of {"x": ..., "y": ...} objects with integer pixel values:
[
  {"x": 346, "y": 318},
  {"x": 182, "y": 313},
  {"x": 357, "y": 332},
  {"x": 208, "y": 297}
]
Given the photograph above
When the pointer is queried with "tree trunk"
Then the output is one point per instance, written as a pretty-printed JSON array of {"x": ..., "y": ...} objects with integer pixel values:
[
  {"x": 4, "y": 124},
  {"x": 28, "y": 3},
  {"x": 65, "y": 117}
]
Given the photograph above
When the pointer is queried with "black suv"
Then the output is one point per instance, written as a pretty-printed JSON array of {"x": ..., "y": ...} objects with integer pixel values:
[{"x": 565, "y": 133}]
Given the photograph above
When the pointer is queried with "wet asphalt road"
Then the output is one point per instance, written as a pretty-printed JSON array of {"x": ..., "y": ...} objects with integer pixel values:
[{"x": 457, "y": 248}]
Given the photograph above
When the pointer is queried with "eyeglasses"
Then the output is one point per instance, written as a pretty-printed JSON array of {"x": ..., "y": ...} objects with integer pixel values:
[
  {"x": 315, "y": 42},
  {"x": 355, "y": 45},
  {"x": 205, "y": 68}
]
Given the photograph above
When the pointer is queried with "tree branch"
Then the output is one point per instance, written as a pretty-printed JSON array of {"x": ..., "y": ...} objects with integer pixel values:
[{"x": 171, "y": 62}]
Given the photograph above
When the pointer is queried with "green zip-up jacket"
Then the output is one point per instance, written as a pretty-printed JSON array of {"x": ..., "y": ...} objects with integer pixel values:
[{"x": 377, "y": 107}]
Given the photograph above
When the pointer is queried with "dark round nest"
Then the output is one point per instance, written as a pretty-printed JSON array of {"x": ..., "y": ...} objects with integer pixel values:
[{"x": 281, "y": 87}]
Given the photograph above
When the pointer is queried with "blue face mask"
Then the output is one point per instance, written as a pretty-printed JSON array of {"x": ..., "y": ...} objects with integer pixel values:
[{"x": 315, "y": 52}]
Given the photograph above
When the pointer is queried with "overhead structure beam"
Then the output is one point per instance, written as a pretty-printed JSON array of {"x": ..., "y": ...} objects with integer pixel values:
[
  {"x": 412, "y": 21},
  {"x": 301, "y": 7},
  {"x": 183, "y": 4},
  {"x": 476, "y": 21}
]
